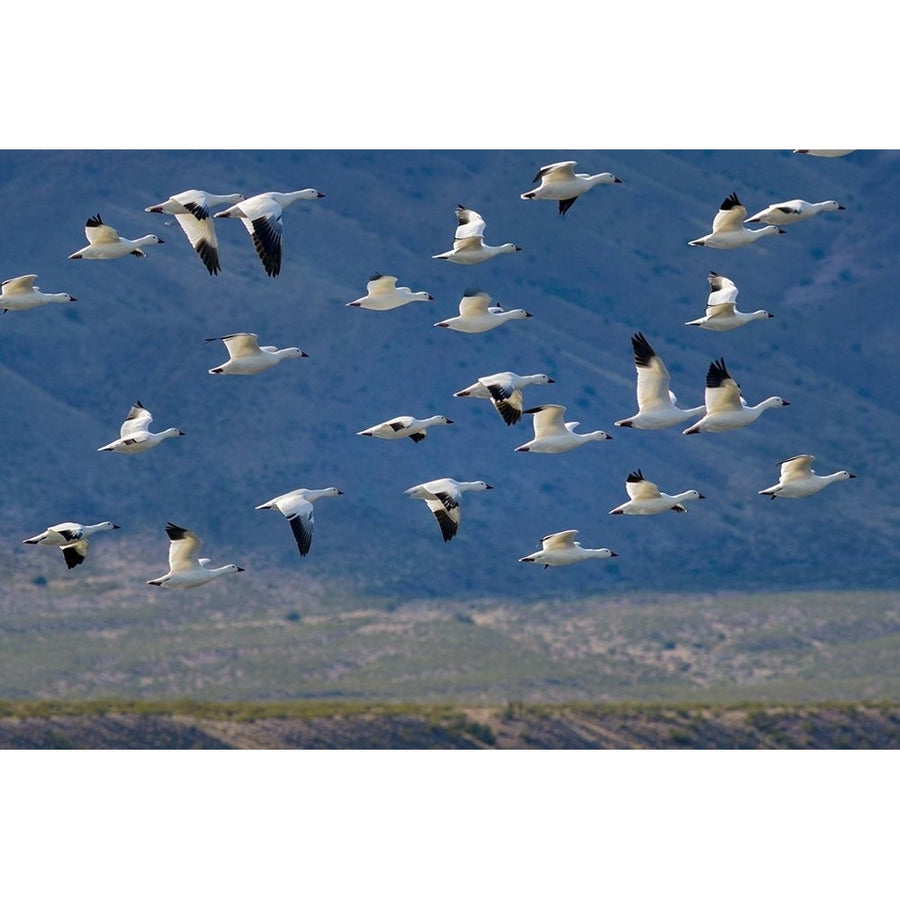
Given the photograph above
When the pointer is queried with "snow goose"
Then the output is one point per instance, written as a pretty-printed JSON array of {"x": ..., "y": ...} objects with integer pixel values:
[
  {"x": 725, "y": 407},
  {"x": 405, "y": 426},
  {"x": 246, "y": 357},
  {"x": 656, "y": 403},
  {"x": 443, "y": 496},
  {"x": 71, "y": 538},
  {"x": 559, "y": 181},
  {"x": 261, "y": 215},
  {"x": 469, "y": 247},
  {"x": 552, "y": 435},
  {"x": 191, "y": 211},
  {"x": 561, "y": 549},
  {"x": 721, "y": 307},
  {"x": 135, "y": 436},
  {"x": 476, "y": 314},
  {"x": 104, "y": 242},
  {"x": 297, "y": 507},
  {"x": 22, "y": 293},
  {"x": 504, "y": 390},
  {"x": 383, "y": 294},
  {"x": 648, "y": 500},
  {"x": 798, "y": 479},
  {"x": 790, "y": 211},
  {"x": 185, "y": 569},
  {"x": 826, "y": 153},
  {"x": 728, "y": 228}
]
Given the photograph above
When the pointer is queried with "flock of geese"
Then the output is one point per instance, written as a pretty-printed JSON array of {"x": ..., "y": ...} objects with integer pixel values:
[{"x": 724, "y": 406}]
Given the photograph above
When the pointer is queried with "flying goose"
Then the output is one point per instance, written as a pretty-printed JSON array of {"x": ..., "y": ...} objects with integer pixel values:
[
  {"x": 246, "y": 357},
  {"x": 405, "y": 426},
  {"x": 552, "y": 435},
  {"x": 826, "y": 153},
  {"x": 192, "y": 212},
  {"x": 721, "y": 307},
  {"x": 104, "y": 242},
  {"x": 71, "y": 538},
  {"x": 297, "y": 507},
  {"x": 725, "y": 407},
  {"x": 798, "y": 479},
  {"x": 185, "y": 569},
  {"x": 135, "y": 436},
  {"x": 648, "y": 500},
  {"x": 789, "y": 211},
  {"x": 504, "y": 390},
  {"x": 728, "y": 228},
  {"x": 469, "y": 247},
  {"x": 476, "y": 315},
  {"x": 261, "y": 215},
  {"x": 561, "y": 549},
  {"x": 559, "y": 181},
  {"x": 383, "y": 294},
  {"x": 656, "y": 403},
  {"x": 443, "y": 496},
  {"x": 22, "y": 293}
]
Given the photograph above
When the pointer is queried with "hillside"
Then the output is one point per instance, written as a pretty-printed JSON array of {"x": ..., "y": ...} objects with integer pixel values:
[{"x": 618, "y": 262}]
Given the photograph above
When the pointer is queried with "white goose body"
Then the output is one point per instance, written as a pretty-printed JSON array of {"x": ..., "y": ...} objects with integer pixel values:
[
  {"x": 185, "y": 569},
  {"x": 246, "y": 357},
  {"x": 404, "y": 426},
  {"x": 469, "y": 247},
  {"x": 297, "y": 507},
  {"x": 104, "y": 242},
  {"x": 828, "y": 154},
  {"x": 382, "y": 294},
  {"x": 135, "y": 436},
  {"x": 443, "y": 496},
  {"x": 656, "y": 402},
  {"x": 552, "y": 435},
  {"x": 261, "y": 215},
  {"x": 646, "y": 499},
  {"x": 728, "y": 228},
  {"x": 22, "y": 293},
  {"x": 798, "y": 479},
  {"x": 71, "y": 538},
  {"x": 504, "y": 390},
  {"x": 790, "y": 211},
  {"x": 561, "y": 549},
  {"x": 725, "y": 407},
  {"x": 722, "y": 313},
  {"x": 476, "y": 315},
  {"x": 192, "y": 212},
  {"x": 560, "y": 182}
]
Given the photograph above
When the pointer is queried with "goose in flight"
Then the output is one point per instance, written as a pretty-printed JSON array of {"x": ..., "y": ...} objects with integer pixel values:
[
  {"x": 185, "y": 569},
  {"x": 476, "y": 315},
  {"x": 383, "y": 294},
  {"x": 246, "y": 357},
  {"x": 22, "y": 293},
  {"x": 443, "y": 497},
  {"x": 656, "y": 403},
  {"x": 561, "y": 549},
  {"x": 798, "y": 479},
  {"x": 504, "y": 390},
  {"x": 646, "y": 499},
  {"x": 790, "y": 211},
  {"x": 469, "y": 247},
  {"x": 135, "y": 436},
  {"x": 297, "y": 507},
  {"x": 192, "y": 212},
  {"x": 405, "y": 426},
  {"x": 261, "y": 215},
  {"x": 104, "y": 242},
  {"x": 726, "y": 409},
  {"x": 560, "y": 182},
  {"x": 728, "y": 230},
  {"x": 721, "y": 307},
  {"x": 553, "y": 435},
  {"x": 71, "y": 538}
]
